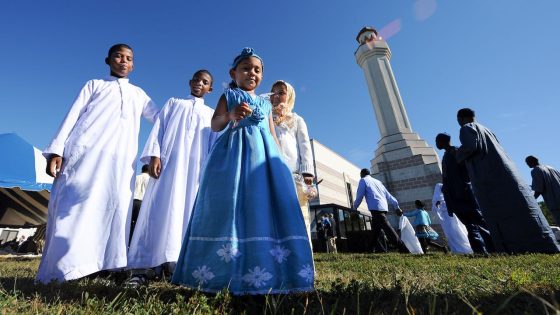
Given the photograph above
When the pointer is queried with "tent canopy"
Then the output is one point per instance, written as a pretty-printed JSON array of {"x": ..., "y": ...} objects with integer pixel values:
[{"x": 24, "y": 185}]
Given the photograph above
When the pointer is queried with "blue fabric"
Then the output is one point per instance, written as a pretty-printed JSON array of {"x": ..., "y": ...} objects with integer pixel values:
[
  {"x": 377, "y": 196},
  {"x": 247, "y": 231},
  {"x": 421, "y": 217},
  {"x": 18, "y": 164},
  {"x": 422, "y": 223},
  {"x": 245, "y": 53}
]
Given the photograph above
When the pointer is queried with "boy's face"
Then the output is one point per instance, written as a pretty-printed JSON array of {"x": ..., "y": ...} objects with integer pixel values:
[
  {"x": 248, "y": 74},
  {"x": 121, "y": 62},
  {"x": 440, "y": 143},
  {"x": 200, "y": 84}
]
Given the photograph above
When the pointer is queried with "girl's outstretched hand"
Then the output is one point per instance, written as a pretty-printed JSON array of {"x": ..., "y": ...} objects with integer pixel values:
[
  {"x": 155, "y": 167},
  {"x": 241, "y": 111}
]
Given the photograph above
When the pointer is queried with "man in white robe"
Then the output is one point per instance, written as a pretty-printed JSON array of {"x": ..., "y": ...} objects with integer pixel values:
[
  {"x": 176, "y": 149},
  {"x": 93, "y": 160}
]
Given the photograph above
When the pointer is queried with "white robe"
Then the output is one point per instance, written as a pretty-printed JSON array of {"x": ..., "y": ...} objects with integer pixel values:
[
  {"x": 182, "y": 138},
  {"x": 89, "y": 208},
  {"x": 455, "y": 231}
]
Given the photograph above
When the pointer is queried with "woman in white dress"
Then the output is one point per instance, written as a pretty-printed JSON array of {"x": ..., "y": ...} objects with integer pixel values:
[{"x": 295, "y": 146}]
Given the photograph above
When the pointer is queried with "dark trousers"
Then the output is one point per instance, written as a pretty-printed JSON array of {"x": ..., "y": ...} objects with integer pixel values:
[
  {"x": 424, "y": 242},
  {"x": 379, "y": 222},
  {"x": 478, "y": 234},
  {"x": 555, "y": 215},
  {"x": 136, "y": 204}
]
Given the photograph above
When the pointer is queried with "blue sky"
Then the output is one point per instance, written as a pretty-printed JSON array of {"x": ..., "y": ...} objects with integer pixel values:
[{"x": 498, "y": 57}]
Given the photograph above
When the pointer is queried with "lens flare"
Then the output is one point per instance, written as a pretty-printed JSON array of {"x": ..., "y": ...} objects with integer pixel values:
[
  {"x": 423, "y": 9},
  {"x": 390, "y": 29}
]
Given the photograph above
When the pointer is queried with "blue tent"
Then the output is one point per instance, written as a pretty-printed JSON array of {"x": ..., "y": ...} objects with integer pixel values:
[{"x": 24, "y": 186}]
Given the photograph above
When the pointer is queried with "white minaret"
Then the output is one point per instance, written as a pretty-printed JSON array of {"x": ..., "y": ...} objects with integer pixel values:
[{"x": 403, "y": 161}]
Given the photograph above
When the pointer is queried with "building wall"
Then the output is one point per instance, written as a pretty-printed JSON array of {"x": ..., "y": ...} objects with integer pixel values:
[{"x": 337, "y": 174}]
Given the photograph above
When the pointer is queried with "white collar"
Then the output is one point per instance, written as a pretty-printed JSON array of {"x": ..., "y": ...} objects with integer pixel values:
[{"x": 112, "y": 78}]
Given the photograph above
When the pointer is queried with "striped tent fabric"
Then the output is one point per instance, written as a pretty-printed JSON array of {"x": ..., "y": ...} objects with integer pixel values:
[{"x": 24, "y": 186}]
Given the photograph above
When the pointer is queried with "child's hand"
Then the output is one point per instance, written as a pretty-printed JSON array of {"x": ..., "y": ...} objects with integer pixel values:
[
  {"x": 54, "y": 164},
  {"x": 155, "y": 167},
  {"x": 308, "y": 179},
  {"x": 240, "y": 111}
]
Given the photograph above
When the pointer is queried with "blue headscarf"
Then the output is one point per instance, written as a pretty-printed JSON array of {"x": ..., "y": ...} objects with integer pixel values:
[{"x": 246, "y": 53}]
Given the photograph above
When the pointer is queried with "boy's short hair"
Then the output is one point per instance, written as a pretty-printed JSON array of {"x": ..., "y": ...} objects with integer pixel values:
[
  {"x": 364, "y": 172},
  {"x": 531, "y": 159},
  {"x": 145, "y": 168},
  {"x": 204, "y": 71},
  {"x": 465, "y": 113},
  {"x": 116, "y": 47},
  {"x": 419, "y": 204},
  {"x": 443, "y": 137}
]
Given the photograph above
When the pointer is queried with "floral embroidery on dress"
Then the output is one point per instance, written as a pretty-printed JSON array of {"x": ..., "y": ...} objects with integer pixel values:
[
  {"x": 306, "y": 273},
  {"x": 203, "y": 274},
  {"x": 257, "y": 114},
  {"x": 257, "y": 276},
  {"x": 280, "y": 253},
  {"x": 228, "y": 253}
]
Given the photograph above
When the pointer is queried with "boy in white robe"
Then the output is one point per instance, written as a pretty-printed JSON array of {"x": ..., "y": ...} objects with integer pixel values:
[
  {"x": 176, "y": 150},
  {"x": 93, "y": 160}
]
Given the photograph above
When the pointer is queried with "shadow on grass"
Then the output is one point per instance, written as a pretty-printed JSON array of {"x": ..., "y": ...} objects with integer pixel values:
[{"x": 353, "y": 298}]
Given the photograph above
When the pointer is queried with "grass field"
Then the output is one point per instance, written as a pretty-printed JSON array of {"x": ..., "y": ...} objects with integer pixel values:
[{"x": 345, "y": 284}]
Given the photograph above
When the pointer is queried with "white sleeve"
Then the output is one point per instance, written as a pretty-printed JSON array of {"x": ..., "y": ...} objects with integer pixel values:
[
  {"x": 304, "y": 148},
  {"x": 155, "y": 139},
  {"x": 76, "y": 110},
  {"x": 150, "y": 110}
]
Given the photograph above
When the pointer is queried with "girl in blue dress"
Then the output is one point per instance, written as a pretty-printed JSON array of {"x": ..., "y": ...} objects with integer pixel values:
[
  {"x": 424, "y": 232},
  {"x": 246, "y": 233}
]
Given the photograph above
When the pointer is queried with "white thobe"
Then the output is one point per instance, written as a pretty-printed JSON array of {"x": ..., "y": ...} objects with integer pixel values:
[
  {"x": 455, "y": 231},
  {"x": 89, "y": 208},
  {"x": 182, "y": 139}
]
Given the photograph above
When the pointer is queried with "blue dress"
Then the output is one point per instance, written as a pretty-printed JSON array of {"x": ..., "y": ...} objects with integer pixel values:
[
  {"x": 422, "y": 224},
  {"x": 246, "y": 232}
]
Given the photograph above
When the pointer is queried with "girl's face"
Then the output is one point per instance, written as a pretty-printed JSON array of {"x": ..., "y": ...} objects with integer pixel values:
[
  {"x": 248, "y": 74},
  {"x": 280, "y": 94}
]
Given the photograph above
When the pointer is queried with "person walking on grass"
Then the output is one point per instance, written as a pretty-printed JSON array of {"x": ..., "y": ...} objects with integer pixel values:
[
  {"x": 378, "y": 200},
  {"x": 508, "y": 205}
]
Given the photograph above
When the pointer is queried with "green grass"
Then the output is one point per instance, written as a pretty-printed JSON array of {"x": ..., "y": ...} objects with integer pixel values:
[{"x": 345, "y": 283}]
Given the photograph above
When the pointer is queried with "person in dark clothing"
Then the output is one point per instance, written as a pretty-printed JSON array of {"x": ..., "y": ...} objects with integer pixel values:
[
  {"x": 459, "y": 197},
  {"x": 512, "y": 214}
]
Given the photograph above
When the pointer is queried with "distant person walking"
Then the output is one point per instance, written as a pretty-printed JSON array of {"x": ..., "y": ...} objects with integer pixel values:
[
  {"x": 514, "y": 218},
  {"x": 424, "y": 232},
  {"x": 546, "y": 182},
  {"x": 331, "y": 234},
  {"x": 459, "y": 197},
  {"x": 378, "y": 199},
  {"x": 140, "y": 184}
]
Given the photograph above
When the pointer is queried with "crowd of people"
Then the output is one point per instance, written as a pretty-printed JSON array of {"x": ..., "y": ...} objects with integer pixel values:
[
  {"x": 223, "y": 199},
  {"x": 483, "y": 189},
  {"x": 226, "y": 201}
]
